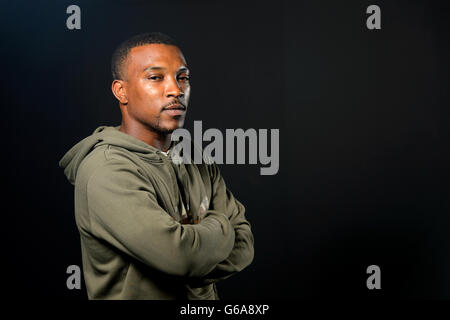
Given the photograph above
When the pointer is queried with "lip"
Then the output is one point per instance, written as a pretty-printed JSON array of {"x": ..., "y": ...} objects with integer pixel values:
[
  {"x": 175, "y": 109},
  {"x": 174, "y": 112}
]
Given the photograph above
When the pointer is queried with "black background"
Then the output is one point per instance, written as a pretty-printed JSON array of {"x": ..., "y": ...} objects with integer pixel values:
[{"x": 364, "y": 140}]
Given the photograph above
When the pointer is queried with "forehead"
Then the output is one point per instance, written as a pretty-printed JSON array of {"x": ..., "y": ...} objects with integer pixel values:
[{"x": 160, "y": 55}]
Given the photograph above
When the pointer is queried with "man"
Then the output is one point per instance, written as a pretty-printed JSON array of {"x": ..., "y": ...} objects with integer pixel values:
[{"x": 152, "y": 228}]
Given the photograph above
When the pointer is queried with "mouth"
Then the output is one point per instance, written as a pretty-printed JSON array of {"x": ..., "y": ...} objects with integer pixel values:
[{"x": 175, "y": 109}]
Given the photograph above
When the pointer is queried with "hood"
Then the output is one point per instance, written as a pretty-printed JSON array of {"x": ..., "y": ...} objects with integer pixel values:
[{"x": 101, "y": 136}]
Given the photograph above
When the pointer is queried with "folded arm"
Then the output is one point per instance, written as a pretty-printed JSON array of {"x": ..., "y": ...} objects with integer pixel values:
[
  {"x": 124, "y": 212},
  {"x": 243, "y": 250}
]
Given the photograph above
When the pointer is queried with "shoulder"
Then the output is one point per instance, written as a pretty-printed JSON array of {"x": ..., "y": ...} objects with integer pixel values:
[{"x": 104, "y": 163}]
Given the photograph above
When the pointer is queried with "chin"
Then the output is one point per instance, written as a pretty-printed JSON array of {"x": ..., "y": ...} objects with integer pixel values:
[
  {"x": 175, "y": 124},
  {"x": 171, "y": 127}
]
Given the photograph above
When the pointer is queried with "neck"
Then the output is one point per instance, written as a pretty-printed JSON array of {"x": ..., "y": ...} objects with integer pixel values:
[{"x": 155, "y": 139}]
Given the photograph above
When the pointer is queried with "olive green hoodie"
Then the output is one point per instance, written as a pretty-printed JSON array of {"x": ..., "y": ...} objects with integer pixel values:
[{"x": 150, "y": 228}]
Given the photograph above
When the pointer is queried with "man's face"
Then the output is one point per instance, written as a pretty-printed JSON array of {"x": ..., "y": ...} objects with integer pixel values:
[{"x": 157, "y": 86}]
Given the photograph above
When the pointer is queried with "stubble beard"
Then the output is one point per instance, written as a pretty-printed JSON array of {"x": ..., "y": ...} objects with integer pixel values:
[{"x": 157, "y": 127}]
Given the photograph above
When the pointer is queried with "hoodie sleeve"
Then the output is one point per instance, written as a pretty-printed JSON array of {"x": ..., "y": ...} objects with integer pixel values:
[
  {"x": 124, "y": 211},
  {"x": 243, "y": 250}
]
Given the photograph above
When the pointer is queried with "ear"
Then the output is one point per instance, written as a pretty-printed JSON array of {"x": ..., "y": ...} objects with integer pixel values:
[{"x": 119, "y": 90}]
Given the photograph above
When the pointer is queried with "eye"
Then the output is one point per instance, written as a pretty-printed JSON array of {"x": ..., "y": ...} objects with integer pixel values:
[
  {"x": 183, "y": 78},
  {"x": 155, "y": 78}
]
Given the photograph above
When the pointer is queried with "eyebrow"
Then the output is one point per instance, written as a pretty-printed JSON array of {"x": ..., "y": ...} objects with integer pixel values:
[
  {"x": 181, "y": 69},
  {"x": 154, "y": 68}
]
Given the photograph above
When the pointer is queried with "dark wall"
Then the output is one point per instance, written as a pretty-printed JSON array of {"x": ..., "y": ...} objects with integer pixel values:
[{"x": 364, "y": 140}]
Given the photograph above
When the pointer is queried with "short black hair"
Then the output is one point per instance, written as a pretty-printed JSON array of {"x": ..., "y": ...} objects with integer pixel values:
[{"x": 121, "y": 52}]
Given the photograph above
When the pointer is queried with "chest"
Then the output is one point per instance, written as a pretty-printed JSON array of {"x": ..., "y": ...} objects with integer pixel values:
[{"x": 183, "y": 191}]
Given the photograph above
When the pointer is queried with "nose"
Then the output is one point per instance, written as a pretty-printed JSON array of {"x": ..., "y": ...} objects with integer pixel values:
[{"x": 173, "y": 88}]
